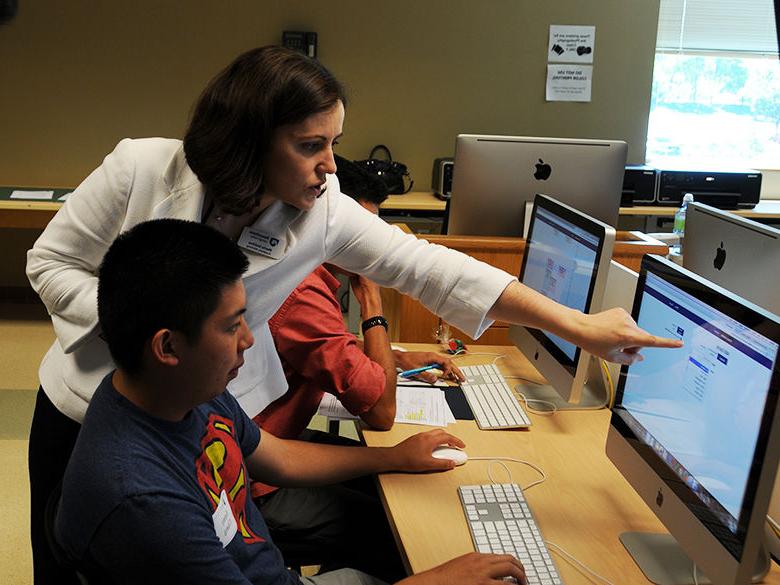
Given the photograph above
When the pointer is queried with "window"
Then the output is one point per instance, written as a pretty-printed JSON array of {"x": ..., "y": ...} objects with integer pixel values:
[{"x": 716, "y": 86}]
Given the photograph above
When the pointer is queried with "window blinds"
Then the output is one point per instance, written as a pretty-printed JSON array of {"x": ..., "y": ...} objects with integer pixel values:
[{"x": 732, "y": 26}]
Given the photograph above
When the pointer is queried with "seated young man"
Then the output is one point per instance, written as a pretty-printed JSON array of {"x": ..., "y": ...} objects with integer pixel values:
[
  {"x": 330, "y": 525},
  {"x": 156, "y": 490}
]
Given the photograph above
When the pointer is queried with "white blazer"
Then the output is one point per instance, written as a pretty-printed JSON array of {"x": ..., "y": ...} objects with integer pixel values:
[{"x": 148, "y": 179}]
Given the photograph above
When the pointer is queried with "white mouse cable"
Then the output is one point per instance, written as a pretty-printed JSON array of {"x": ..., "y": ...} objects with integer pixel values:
[
  {"x": 500, "y": 461},
  {"x": 525, "y": 398},
  {"x": 606, "y": 404},
  {"x": 549, "y": 412}
]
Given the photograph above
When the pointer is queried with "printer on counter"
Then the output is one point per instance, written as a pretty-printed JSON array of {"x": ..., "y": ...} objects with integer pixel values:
[
  {"x": 640, "y": 185},
  {"x": 721, "y": 189}
]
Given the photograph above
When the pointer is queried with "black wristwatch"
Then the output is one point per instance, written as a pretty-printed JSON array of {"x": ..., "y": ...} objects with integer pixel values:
[{"x": 373, "y": 322}]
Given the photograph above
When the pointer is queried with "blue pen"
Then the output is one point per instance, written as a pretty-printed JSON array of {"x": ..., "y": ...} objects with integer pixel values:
[{"x": 409, "y": 373}]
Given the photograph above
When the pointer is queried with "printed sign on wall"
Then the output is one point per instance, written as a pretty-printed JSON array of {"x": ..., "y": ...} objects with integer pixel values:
[
  {"x": 569, "y": 83},
  {"x": 571, "y": 44}
]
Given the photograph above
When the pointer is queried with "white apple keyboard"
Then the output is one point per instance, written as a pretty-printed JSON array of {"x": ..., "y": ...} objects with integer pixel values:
[
  {"x": 501, "y": 522},
  {"x": 491, "y": 399}
]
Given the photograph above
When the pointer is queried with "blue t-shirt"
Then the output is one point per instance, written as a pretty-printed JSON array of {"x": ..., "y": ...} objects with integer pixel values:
[{"x": 141, "y": 496}]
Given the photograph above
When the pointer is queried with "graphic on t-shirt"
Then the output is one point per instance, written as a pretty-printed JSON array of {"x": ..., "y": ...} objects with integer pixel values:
[{"x": 220, "y": 467}]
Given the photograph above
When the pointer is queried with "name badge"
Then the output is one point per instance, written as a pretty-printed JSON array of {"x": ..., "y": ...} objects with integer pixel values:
[
  {"x": 262, "y": 242},
  {"x": 224, "y": 522}
]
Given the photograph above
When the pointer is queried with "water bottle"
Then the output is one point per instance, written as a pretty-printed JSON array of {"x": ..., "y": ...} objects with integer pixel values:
[{"x": 679, "y": 224}]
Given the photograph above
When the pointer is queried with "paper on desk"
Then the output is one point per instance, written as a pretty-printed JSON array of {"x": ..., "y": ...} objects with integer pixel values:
[
  {"x": 422, "y": 406},
  {"x": 331, "y": 407},
  {"x": 38, "y": 195},
  {"x": 416, "y": 405}
]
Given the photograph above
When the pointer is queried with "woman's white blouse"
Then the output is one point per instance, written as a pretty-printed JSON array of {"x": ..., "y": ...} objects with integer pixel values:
[{"x": 149, "y": 178}]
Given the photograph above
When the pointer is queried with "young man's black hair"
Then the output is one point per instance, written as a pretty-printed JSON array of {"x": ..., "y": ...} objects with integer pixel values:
[{"x": 164, "y": 273}]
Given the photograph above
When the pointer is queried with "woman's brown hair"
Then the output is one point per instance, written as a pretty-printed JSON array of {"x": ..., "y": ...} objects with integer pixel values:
[{"x": 236, "y": 115}]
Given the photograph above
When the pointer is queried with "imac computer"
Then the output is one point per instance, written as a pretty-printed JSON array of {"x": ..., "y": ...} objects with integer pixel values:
[
  {"x": 695, "y": 430},
  {"x": 566, "y": 258},
  {"x": 736, "y": 253},
  {"x": 495, "y": 176},
  {"x": 740, "y": 255}
]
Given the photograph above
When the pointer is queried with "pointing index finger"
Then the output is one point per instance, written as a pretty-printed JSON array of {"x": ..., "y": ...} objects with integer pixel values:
[{"x": 655, "y": 341}]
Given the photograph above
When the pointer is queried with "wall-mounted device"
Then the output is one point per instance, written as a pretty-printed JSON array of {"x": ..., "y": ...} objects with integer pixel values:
[
  {"x": 721, "y": 189},
  {"x": 442, "y": 177},
  {"x": 304, "y": 42},
  {"x": 8, "y": 10},
  {"x": 639, "y": 185}
]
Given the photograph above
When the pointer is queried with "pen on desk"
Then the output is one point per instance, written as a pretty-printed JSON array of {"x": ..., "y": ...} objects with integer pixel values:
[{"x": 414, "y": 371}]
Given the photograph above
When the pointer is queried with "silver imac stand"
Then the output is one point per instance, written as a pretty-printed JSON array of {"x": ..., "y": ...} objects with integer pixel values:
[
  {"x": 618, "y": 292},
  {"x": 594, "y": 395},
  {"x": 664, "y": 562}
]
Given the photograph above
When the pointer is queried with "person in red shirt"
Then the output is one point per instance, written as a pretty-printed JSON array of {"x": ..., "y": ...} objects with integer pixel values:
[{"x": 336, "y": 524}]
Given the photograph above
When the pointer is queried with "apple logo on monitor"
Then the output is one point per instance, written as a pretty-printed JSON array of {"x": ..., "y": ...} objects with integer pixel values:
[
  {"x": 720, "y": 257},
  {"x": 543, "y": 171}
]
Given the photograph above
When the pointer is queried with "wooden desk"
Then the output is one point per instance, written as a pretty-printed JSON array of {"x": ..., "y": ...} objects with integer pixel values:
[
  {"x": 28, "y": 214},
  {"x": 583, "y": 505},
  {"x": 766, "y": 209},
  {"x": 414, "y": 201},
  {"x": 36, "y": 214},
  {"x": 427, "y": 201},
  {"x": 17, "y": 213}
]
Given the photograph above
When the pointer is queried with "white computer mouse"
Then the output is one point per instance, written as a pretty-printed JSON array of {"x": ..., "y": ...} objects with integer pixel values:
[{"x": 451, "y": 453}]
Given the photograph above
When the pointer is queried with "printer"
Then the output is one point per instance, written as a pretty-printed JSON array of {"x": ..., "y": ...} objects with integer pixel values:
[
  {"x": 737, "y": 189},
  {"x": 640, "y": 183}
]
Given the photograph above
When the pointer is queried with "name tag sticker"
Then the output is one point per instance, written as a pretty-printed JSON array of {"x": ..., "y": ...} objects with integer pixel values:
[
  {"x": 262, "y": 242},
  {"x": 224, "y": 522}
]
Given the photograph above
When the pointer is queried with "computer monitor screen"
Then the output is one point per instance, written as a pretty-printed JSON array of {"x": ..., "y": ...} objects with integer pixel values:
[
  {"x": 692, "y": 428},
  {"x": 566, "y": 258},
  {"x": 734, "y": 252},
  {"x": 494, "y": 177}
]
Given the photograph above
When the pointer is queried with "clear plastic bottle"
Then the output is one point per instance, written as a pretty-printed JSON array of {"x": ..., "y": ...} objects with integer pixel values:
[{"x": 679, "y": 223}]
